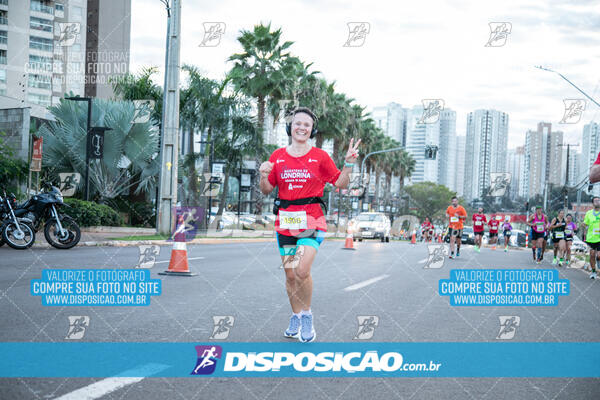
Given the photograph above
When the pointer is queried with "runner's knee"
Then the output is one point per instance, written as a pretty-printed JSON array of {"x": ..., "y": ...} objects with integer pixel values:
[
  {"x": 302, "y": 273},
  {"x": 290, "y": 275}
]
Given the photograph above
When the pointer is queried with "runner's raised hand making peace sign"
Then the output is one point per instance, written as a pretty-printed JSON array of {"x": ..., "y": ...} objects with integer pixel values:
[{"x": 352, "y": 153}]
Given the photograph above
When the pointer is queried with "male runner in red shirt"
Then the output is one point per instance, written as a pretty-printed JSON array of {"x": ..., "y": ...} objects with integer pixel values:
[
  {"x": 493, "y": 224},
  {"x": 479, "y": 222}
]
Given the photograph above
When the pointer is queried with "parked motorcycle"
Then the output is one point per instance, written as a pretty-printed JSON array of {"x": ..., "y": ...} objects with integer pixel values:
[
  {"x": 17, "y": 232},
  {"x": 60, "y": 230}
]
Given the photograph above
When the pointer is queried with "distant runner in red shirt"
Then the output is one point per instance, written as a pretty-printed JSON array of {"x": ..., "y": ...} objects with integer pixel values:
[
  {"x": 493, "y": 224},
  {"x": 300, "y": 172},
  {"x": 479, "y": 222},
  {"x": 427, "y": 230}
]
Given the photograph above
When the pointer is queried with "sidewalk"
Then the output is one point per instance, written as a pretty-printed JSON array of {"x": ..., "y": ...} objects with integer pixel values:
[{"x": 118, "y": 237}]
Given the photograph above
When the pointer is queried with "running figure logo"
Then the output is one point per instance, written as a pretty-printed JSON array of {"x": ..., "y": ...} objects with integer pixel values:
[
  {"x": 283, "y": 107},
  {"x": 148, "y": 254},
  {"x": 68, "y": 33},
  {"x": 207, "y": 359},
  {"x": 431, "y": 111},
  {"x": 77, "y": 326},
  {"x": 573, "y": 111},
  {"x": 143, "y": 110},
  {"x": 69, "y": 182},
  {"x": 508, "y": 326},
  {"x": 437, "y": 256},
  {"x": 499, "y": 32},
  {"x": 366, "y": 326},
  {"x": 499, "y": 182},
  {"x": 212, "y": 34},
  {"x": 357, "y": 33},
  {"x": 223, "y": 325},
  {"x": 192, "y": 217}
]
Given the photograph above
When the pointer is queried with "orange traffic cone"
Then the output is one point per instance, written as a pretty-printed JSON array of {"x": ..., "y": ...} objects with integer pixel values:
[
  {"x": 178, "y": 265},
  {"x": 349, "y": 244},
  {"x": 414, "y": 238}
]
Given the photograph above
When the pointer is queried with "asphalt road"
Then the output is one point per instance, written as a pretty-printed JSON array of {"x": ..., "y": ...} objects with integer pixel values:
[{"x": 243, "y": 280}]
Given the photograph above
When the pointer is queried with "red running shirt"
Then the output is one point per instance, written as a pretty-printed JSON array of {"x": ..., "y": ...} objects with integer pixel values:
[
  {"x": 494, "y": 225},
  {"x": 479, "y": 221},
  {"x": 300, "y": 177}
]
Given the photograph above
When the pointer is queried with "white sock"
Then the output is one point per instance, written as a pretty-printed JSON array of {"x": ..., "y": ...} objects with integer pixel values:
[
  {"x": 297, "y": 314},
  {"x": 306, "y": 312}
]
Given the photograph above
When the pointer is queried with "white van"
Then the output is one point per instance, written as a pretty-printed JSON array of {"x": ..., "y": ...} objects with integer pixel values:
[{"x": 371, "y": 225}]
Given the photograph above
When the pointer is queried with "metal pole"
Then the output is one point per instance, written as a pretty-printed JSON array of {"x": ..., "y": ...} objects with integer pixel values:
[
  {"x": 567, "y": 181},
  {"x": 239, "y": 193},
  {"x": 571, "y": 83},
  {"x": 170, "y": 122},
  {"x": 87, "y": 151},
  {"x": 578, "y": 203}
]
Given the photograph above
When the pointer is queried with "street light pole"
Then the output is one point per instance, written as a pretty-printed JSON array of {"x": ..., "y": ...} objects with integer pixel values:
[
  {"x": 170, "y": 120},
  {"x": 571, "y": 83}
]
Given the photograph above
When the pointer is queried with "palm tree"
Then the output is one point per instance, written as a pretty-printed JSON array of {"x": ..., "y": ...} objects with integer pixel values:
[
  {"x": 285, "y": 96},
  {"x": 140, "y": 86},
  {"x": 258, "y": 72},
  {"x": 241, "y": 139},
  {"x": 407, "y": 167},
  {"x": 130, "y": 149}
]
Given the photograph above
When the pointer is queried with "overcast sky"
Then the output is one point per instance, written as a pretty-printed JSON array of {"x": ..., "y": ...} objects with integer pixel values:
[{"x": 413, "y": 51}]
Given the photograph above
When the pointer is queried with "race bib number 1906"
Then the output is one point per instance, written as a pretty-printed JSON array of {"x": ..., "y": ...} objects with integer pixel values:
[{"x": 293, "y": 220}]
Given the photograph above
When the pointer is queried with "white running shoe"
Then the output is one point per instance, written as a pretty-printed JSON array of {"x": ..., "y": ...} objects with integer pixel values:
[
  {"x": 307, "y": 331},
  {"x": 294, "y": 327}
]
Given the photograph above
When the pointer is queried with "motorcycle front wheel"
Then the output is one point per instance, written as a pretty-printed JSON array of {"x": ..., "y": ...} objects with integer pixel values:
[
  {"x": 71, "y": 235},
  {"x": 18, "y": 240}
]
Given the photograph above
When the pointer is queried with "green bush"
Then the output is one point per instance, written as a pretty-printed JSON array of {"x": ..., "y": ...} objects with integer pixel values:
[
  {"x": 141, "y": 214},
  {"x": 88, "y": 213}
]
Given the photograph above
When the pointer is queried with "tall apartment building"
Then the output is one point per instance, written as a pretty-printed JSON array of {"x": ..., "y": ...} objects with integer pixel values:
[
  {"x": 515, "y": 164},
  {"x": 590, "y": 147},
  {"x": 572, "y": 172},
  {"x": 459, "y": 180},
  {"x": 43, "y": 48},
  {"x": 107, "y": 45},
  {"x": 447, "y": 149},
  {"x": 543, "y": 152},
  {"x": 485, "y": 150},
  {"x": 418, "y": 136},
  {"x": 391, "y": 119}
]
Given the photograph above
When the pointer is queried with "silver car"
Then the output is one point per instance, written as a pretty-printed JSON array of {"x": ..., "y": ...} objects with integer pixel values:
[{"x": 372, "y": 225}]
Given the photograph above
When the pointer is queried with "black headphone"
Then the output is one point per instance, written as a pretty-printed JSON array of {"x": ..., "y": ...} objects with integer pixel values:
[{"x": 288, "y": 126}]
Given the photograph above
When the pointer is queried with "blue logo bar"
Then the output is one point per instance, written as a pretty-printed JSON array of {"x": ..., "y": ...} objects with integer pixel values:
[{"x": 198, "y": 360}]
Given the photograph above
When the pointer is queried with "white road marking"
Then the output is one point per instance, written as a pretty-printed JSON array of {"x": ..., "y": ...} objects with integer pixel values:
[
  {"x": 109, "y": 385},
  {"x": 365, "y": 283},
  {"x": 189, "y": 259}
]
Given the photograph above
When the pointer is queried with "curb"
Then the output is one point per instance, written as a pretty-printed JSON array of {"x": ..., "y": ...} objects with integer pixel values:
[{"x": 131, "y": 243}]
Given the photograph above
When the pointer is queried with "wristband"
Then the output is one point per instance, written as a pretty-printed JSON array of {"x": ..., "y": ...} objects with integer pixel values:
[{"x": 347, "y": 164}]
